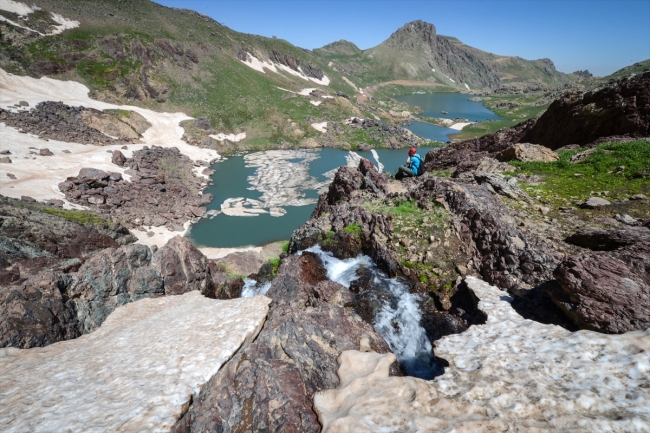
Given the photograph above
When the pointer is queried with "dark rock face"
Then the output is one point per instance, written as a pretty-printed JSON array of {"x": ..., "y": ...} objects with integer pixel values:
[
  {"x": 57, "y": 121},
  {"x": 619, "y": 111},
  {"x": 307, "y": 68},
  {"x": 268, "y": 386},
  {"x": 163, "y": 190},
  {"x": 610, "y": 291},
  {"x": 60, "y": 279},
  {"x": 621, "y": 108}
]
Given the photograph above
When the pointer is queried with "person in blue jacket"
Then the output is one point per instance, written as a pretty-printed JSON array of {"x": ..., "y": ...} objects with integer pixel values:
[{"x": 413, "y": 166}]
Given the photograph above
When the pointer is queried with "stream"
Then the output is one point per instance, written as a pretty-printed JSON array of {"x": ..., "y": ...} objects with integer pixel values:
[{"x": 396, "y": 316}]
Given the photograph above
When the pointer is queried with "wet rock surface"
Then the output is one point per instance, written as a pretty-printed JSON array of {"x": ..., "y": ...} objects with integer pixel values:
[
  {"x": 57, "y": 121},
  {"x": 268, "y": 386},
  {"x": 163, "y": 190}
]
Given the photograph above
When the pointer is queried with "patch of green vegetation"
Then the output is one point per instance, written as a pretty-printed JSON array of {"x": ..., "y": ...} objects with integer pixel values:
[
  {"x": 354, "y": 229},
  {"x": 275, "y": 263},
  {"x": 285, "y": 247},
  {"x": 408, "y": 264},
  {"x": 424, "y": 279},
  {"x": 442, "y": 173},
  {"x": 613, "y": 167},
  {"x": 82, "y": 217},
  {"x": 328, "y": 238}
]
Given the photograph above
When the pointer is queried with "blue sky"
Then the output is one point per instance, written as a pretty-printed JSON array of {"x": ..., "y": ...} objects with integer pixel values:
[{"x": 599, "y": 35}]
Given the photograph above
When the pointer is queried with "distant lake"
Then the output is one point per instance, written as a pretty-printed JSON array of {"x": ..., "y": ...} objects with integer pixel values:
[
  {"x": 244, "y": 176},
  {"x": 456, "y": 104}
]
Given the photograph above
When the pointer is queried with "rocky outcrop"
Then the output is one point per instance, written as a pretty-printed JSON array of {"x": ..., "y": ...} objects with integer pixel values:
[
  {"x": 307, "y": 68},
  {"x": 619, "y": 111},
  {"x": 163, "y": 190},
  {"x": 431, "y": 235},
  {"x": 610, "y": 291},
  {"x": 268, "y": 385},
  {"x": 57, "y": 121},
  {"x": 620, "y": 108},
  {"x": 68, "y": 298}
]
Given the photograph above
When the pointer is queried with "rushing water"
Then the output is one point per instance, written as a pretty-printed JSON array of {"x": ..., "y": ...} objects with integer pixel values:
[{"x": 397, "y": 319}]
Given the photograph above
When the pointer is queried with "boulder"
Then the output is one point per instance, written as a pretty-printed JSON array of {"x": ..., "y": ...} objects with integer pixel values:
[
  {"x": 92, "y": 173},
  {"x": 527, "y": 152},
  {"x": 183, "y": 268},
  {"x": 603, "y": 293},
  {"x": 5, "y": 160},
  {"x": 45, "y": 152},
  {"x": 118, "y": 158},
  {"x": 501, "y": 185},
  {"x": 595, "y": 202}
]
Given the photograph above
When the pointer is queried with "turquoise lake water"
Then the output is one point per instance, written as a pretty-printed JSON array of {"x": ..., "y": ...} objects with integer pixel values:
[
  {"x": 234, "y": 179},
  {"x": 456, "y": 104},
  {"x": 231, "y": 180}
]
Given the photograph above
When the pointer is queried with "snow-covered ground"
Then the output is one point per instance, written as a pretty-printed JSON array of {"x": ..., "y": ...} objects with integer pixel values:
[
  {"x": 24, "y": 10},
  {"x": 135, "y": 373},
  {"x": 254, "y": 63},
  {"x": 510, "y": 374},
  {"x": 38, "y": 176}
]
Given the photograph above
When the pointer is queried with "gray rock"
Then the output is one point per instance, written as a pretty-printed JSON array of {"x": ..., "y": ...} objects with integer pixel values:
[
  {"x": 639, "y": 197},
  {"x": 92, "y": 173},
  {"x": 501, "y": 185},
  {"x": 625, "y": 219},
  {"x": 45, "y": 152},
  {"x": 5, "y": 160},
  {"x": 595, "y": 202}
]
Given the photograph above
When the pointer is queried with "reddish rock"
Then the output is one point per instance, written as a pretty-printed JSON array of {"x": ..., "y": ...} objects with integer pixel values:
[
  {"x": 269, "y": 384},
  {"x": 118, "y": 158}
]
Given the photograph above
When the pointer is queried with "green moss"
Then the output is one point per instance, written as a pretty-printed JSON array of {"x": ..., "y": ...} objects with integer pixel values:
[
  {"x": 354, "y": 229},
  {"x": 275, "y": 263},
  {"x": 424, "y": 279},
  {"x": 408, "y": 264},
  {"x": 285, "y": 247},
  {"x": 82, "y": 217}
]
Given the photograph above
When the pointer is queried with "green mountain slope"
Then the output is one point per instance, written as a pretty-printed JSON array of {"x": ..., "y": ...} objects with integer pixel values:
[
  {"x": 138, "y": 52},
  {"x": 416, "y": 53}
]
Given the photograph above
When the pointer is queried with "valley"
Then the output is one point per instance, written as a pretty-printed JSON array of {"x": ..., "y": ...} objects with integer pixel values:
[{"x": 200, "y": 231}]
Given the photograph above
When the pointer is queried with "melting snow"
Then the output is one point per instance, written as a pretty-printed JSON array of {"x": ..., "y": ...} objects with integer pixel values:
[
  {"x": 235, "y": 138},
  {"x": 320, "y": 127},
  {"x": 508, "y": 374},
  {"x": 135, "y": 373},
  {"x": 253, "y": 62},
  {"x": 23, "y": 10}
]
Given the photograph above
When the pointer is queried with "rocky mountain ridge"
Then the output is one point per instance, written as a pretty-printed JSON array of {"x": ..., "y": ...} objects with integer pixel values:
[{"x": 416, "y": 52}]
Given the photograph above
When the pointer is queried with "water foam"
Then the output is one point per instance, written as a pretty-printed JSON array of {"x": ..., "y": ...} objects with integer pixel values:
[
  {"x": 253, "y": 288},
  {"x": 398, "y": 317}
]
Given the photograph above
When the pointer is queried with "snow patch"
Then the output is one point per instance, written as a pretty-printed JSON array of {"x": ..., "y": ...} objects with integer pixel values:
[
  {"x": 64, "y": 24},
  {"x": 254, "y": 63},
  {"x": 510, "y": 374},
  {"x": 316, "y": 103},
  {"x": 459, "y": 126},
  {"x": 135, "y": 373},
  {"x": 320, "y": 127},
  {"x": 18, "y": 7},
  {"x": 235, "y": 138},
  {"x": 466, "y": 86}
]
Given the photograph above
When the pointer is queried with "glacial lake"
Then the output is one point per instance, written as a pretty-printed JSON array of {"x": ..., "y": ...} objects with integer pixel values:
[
  {"x": 278, "y": 189},
  {"x": 286, "y": 179},
  {"x": 455, "y": 104}
]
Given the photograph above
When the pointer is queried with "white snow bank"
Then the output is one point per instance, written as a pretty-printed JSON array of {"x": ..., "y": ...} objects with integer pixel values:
[
  {"x": 509, "y": 374},
  {"x": 23, "y": 10},
  {"x": 235, "y": 138},
  {"x": 316, "y": 103},
  {"x": 17, "y": 7},
  {"x": 459, "y": 126},
  {"x": 467, "y": 87},
  {"x": 39, "y": 176},
  {"x": 135, "y": 373},
  {"x": 254, "y": 63},
  {"x": 320, "y": 127}
]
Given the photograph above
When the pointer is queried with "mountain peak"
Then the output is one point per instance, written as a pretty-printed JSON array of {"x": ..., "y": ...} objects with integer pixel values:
[{"x": 413, "y": 34}]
